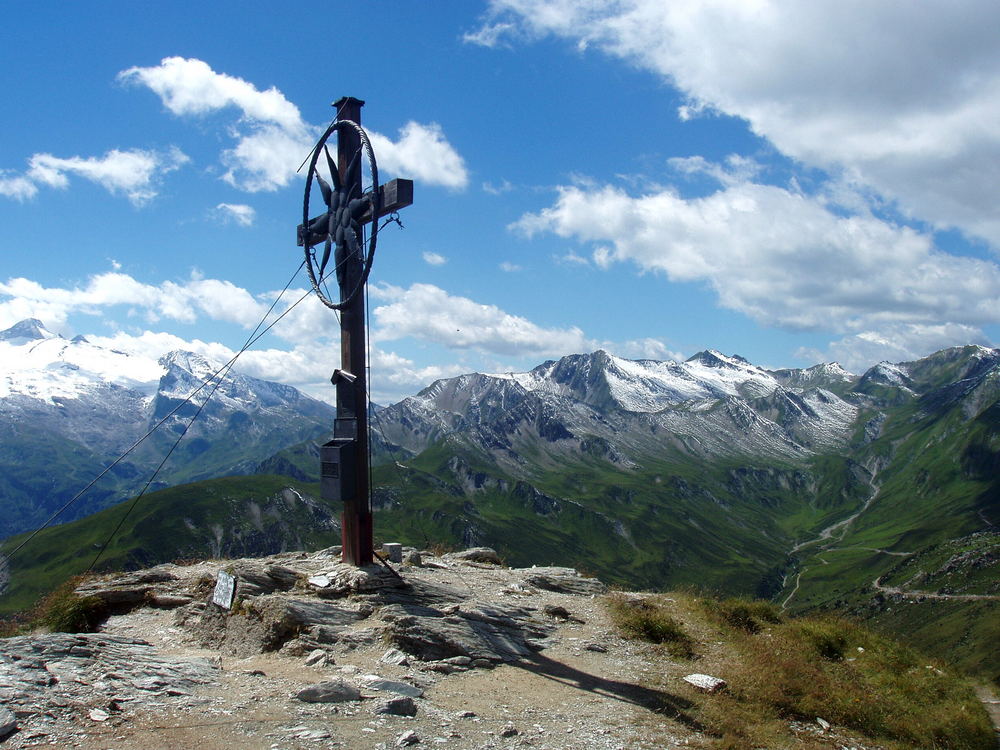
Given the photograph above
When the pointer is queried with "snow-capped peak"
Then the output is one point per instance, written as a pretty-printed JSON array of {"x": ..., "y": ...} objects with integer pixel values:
[
  {"x": 191, "y": 362},
  {"x": 713, "y": 358},
  {"x": 37, "y": 363},
  {"x": 647, "y": 385},
  {"x": 887, "y": 372},
  {"x": 29, "y": 329}
]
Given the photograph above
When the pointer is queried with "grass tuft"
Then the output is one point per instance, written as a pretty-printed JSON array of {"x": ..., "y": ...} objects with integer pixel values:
[
  {"x": 741, "y": 613},
  {"x": 650, "y": 619},
  {"x": 60, "y": 611},
  {"x": 63, "y": 611}
]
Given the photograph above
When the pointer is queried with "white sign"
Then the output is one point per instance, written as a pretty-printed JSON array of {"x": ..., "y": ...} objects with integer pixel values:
[{"x": 225, "y": 587}]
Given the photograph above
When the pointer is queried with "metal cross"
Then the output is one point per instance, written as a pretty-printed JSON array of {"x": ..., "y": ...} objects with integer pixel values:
[{"x": 344, "y": 460}]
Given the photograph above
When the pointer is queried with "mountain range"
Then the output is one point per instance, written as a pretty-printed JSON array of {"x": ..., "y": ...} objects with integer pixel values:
[
  {"x": 875, "y": 494},
  {"x": 815, "y": 487},
  {"x": 69, "y": 408}
]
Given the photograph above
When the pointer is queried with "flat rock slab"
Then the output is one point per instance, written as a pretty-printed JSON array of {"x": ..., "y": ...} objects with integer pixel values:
[
  {"x": 329, "y": 691},
  {"x": 489, "y": 632},
  {"x": 392, "y": 686},
  {"x": 484, "y": 555},
  {"x": 50, "y": 676},
  {"x": 565, "y": 581},
  {"x": 706, "y": 682}
]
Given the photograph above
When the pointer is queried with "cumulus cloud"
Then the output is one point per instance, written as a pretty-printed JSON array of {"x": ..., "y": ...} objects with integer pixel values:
[
  {"x": 508, "y": 267},
  {"x": 894, "y": 343},
  {"x": 434, "y": 259},
  {"x": 134, "y": 173},
  {"x": 422, "y": 153},
  {"x": 271, "y": 136},
  {"x": 427, "y": 312},
  {"x": 237, "y": 213},
  {"x": 191, "y": 87},
  {"x": 183, "y": 302},
  {"x": 17, "y": 186},
  {"x": 781, "y": 257},
  {"x": 900, "y": 98}
]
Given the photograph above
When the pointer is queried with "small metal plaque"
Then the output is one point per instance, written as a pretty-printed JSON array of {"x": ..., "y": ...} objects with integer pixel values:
[{"x": 225, "y": 587}]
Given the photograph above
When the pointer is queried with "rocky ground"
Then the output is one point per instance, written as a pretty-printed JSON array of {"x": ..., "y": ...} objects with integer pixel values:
[
  {"x": 300, "y": 651},
  {"x": 460, "y": 653}
]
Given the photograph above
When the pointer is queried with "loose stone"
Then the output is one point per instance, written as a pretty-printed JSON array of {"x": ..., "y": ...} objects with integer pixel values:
[
  {"x": 401, "y": 706},
  {"x": 705, "y": 682},
  {"x": 329, "y": 691},
  {"x": 407, "y": 738}
]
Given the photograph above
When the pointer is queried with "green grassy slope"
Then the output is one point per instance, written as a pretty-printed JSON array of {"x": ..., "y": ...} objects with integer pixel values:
[
  {"x": 230, "y": 517},
  {"x": 938, "y": 492}
]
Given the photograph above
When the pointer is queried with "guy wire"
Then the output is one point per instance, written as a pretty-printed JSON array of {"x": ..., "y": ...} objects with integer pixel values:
[{"x": 254, "y": 337}]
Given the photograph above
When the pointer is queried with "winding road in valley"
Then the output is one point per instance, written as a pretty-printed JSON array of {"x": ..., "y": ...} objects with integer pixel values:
[{"x": 827, "y": 535}]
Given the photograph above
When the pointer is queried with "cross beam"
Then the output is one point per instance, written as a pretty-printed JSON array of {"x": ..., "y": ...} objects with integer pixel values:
[
  {"x": 344, "y": 460},
  {"x": 395, "y": 194}
]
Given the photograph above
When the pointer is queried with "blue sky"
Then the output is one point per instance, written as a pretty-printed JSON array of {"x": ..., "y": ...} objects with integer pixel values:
[{"x": 792, "y": 182}]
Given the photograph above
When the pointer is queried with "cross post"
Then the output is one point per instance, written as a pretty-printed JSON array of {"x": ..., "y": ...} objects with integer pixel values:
[{"x": 344, "y": 460}]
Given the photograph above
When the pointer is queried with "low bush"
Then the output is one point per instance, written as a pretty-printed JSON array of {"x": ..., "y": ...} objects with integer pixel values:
[
  {"x": 650, "y": 619},
  {"x": 748, "y": 615}
]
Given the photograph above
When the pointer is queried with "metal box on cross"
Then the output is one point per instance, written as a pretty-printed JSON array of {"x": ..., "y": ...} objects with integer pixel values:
[{"x": 337, "y": 481}]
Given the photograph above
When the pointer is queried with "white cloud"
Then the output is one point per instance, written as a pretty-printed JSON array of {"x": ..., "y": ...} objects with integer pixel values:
[
  {"x": 895, "y": 343},
  {"x": 570, "y": 258},
  {"x": 183, "y": 302},
  {"x": 778, "y": 256},
  {"x": 490, "y": 34},
  {"x": 272, "y": 138},
  {"x": 191, "y": 87},
  {"x": 434, "y": 259},
  {"x": 504, "y": 186},
  {"x": 427, "y": 312},
  {"x": 508, "y": 267},
  {"x": 134, "y": 173},
  {"x": 647, "y": 348},
  {"x": 236, "y": 212},
  {"x": 900, "y": 97},
  {"x": 423, "y": 153},
  {"x": 17, "y": 186}
]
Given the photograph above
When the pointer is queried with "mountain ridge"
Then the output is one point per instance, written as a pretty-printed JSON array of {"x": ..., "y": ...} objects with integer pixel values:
[{"x": 70, "y": 408}]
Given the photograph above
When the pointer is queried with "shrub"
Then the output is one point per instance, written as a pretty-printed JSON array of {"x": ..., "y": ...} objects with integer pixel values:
[
  {"x": 63, "y": 611},
  {"x": 650, "y": 620},
  {"x": 741, "y": 613}
]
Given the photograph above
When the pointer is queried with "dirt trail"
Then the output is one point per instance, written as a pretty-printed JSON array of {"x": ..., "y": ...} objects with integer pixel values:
[{"x": 912, "y": 594}]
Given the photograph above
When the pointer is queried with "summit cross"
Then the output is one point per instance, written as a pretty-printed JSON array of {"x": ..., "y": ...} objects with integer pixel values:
[{"x": 344, "y": 460}]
